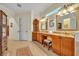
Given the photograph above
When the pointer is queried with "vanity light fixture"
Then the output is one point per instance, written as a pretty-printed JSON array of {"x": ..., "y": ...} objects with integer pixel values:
[
  {"x": 66, "y": 10},
  {"x": 71, "y": 9}
]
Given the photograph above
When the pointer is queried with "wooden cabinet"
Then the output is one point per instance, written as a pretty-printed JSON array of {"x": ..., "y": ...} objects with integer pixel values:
[
  {"x": 39, "y": 37},
  {"x": 56, "y": 44},
  {"x": 36, "y": 25},
  {"x": 3, "y": 33},
  {"x": 63, "y": 45},
  {"x": 67, "y": 46},
  {"x": 35, "y": 29},
  {"x": 34, "y": 36}
]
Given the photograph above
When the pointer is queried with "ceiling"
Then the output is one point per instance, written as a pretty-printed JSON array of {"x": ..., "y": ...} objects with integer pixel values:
[{"x": 36, "y": 7}]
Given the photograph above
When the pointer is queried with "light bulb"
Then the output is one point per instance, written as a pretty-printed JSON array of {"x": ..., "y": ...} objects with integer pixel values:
[
  {"x": 64, "y": 11},
  {"x": 59, "y": 13},
  {"x": 71, "y": 9}
]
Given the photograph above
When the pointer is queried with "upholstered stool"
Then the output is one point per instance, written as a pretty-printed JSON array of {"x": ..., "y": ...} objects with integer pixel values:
[{"x": 47, "y": 43}]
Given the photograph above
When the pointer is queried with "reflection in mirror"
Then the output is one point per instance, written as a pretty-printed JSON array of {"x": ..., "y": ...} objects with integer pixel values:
[
  {"x": 43, "y": 24},
  {"x": 66, "y": 22},
  {"x": 66, "y": 18}
]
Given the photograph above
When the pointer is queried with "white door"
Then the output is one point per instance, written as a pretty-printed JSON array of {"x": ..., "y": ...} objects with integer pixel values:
[{"x": 23, "y": 27}]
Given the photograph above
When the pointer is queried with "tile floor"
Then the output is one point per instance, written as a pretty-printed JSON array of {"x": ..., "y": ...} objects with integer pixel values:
[{"x": 36, "y": 48}]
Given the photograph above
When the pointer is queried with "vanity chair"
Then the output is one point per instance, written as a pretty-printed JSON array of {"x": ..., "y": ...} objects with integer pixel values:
[{"x": 47, "y": 42}]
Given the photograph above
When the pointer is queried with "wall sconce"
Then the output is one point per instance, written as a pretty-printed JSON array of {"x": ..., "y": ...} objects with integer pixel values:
[{"x": 11, "y": 25}]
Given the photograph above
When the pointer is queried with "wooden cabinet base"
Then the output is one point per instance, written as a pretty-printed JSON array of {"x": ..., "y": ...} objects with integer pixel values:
[
  {"x": 34, "y": 36},
  {"x": 63, "y": 46},
  {"x": 56, "y": 51}
]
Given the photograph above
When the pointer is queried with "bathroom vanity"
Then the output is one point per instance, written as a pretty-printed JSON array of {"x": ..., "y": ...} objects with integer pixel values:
[{"x": 62, "y": 44}]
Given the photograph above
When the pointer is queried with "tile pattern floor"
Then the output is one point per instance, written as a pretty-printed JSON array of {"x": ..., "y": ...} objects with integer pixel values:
[
  {"x": 45, "y": 49},
  {"x": 25, "y": 51},
  {"x": 36, "y": 48}
]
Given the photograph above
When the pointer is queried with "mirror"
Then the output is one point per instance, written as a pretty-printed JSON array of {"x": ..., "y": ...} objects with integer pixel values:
[
  {"x": 66, "y": 22},
  {"x": 43, "y": 25}
]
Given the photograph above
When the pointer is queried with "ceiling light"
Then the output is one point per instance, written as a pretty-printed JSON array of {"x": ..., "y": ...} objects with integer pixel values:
[{"x": 66, "y": 9}]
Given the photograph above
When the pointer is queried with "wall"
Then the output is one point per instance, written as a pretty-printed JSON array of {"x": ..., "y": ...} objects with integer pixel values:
[
  {"x": 26, "y": 23},
  {"x": 13, "y": 34}
]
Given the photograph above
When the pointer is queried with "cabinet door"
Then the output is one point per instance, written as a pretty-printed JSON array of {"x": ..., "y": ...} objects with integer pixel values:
[
  {"x": 67, "y": 46},
  {"x": 34, "y": 36},
  {"x": 39, "y": 37},
  {"x": 35, "y": 25},
  {"x": 56, "y": 44}
]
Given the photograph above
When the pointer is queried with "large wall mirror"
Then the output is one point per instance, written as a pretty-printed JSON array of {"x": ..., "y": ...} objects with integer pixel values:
[
  {"x": 67, "y": 22},
  {"x": 43, "y": 24}
]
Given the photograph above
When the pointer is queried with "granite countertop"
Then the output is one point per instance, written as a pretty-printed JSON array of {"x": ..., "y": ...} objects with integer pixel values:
[{"x": 64, "y": 34}]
